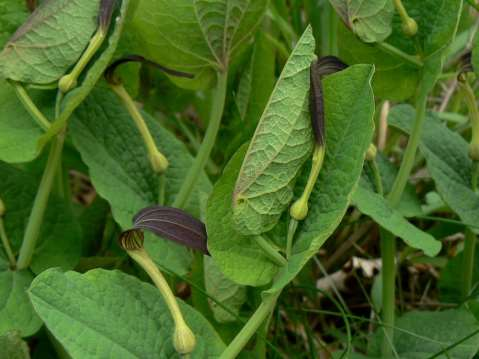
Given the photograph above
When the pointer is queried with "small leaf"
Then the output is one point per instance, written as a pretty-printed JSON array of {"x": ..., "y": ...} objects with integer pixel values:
[
  {"x": 111, "y": 314},
  {"x": 281, "y": 144},
  {"x": 52, "y": 39},
  {"x": 371, "y": 20},
  {"x": 377, "y": 208},
  {"x": 173, "y": 224}
]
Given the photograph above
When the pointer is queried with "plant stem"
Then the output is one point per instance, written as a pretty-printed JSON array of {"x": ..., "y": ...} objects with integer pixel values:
[
  {"x": 388, "y": 253},
  {"x": 392, "y": 50},
  {"x": 208, "y": 142},
  {"x": 377, "y": 177},
  {"x": 293, "y": 225},
  {"x": 271, "y": 252},
  {"x": 251, "y": 327},
  {"x": 32, "y": 230},
  {"x": 6, "y": 245},
  {"x": 468, "y": 264},
  {"x": 30, "y": 106}
]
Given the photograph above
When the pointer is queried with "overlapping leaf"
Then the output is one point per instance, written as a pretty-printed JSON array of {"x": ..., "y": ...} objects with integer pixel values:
[
  {"x": 52, "y": 39},
  {"x": 114, "y": 151},
  {"x": 13, "y": 347},
  {"x": 12, "y": 14},
  {"x": 280, "y": 146},
  {"x": 194, "y": 36},
  {"x": 447, "y": 159},
  {"x": 371, "y": 20},
  {"x": 395, "y": 78},
  {"x": 110, "y": 314}
]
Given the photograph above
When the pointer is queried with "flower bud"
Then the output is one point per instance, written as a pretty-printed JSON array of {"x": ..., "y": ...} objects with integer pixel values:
[
  {"x": 371, "y": 152},
  {"x": 299, "y": 209},
  {"x": 409, "y": 27},
  {"x": 184, "y": 340},
  {"x": 159, "y": 162}
]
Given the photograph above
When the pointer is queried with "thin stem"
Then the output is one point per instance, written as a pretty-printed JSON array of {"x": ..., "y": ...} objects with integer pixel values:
[
  {"x": 468, "y": 263},
  {"x": 401, "y": 9},
  {"x": 30, "y": 106},
  {"x": 293, "y": 225},
  {"x": 388, "y": 253},
  {"x": 208, "y": 142},
  {"x": 32, "y": 230},
  {"x": 158, "y": 161},
  {"x": 392, "y": 50},
  {"x": 377, "y": 177},
  {"x": 6, "y": 245},
  {"x": 251, "y": 327},
  {"x": 271, "y": 252}
]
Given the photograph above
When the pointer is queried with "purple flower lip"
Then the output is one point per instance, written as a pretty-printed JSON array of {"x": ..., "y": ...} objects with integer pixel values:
[
  {"x": 169, "y": 223},
  {"x": 110, "y": 71},
  {"x": 324, "y": 66}
]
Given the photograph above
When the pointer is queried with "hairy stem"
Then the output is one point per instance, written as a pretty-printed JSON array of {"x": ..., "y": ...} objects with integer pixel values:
[
  {"x": 208, "y": 142},
  {"x": 32, "y": 230}
]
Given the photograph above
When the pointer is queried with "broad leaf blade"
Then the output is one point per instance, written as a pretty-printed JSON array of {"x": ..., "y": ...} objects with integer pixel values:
[
  {"x": 280, "y": 146},
  {"x": 111, "y": 314},
  {"x": 239, "y": 257},
  {"x": 52, "y": 39},
  {"x": 113, "y": 149},
  {"x": 13, "y": 347},
  {"x": 375, "y": 206},
  {"x": 349, "y": 129}
]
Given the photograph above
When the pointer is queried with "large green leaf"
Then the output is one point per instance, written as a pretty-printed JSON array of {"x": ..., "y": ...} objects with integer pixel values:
[
  {"x": 371, "y": 20},
  {"x": 16, "y": 311},
  {"x": 193, "y": 35},
  {"x": 91, "y": 75},
  {"x": 447, "y": 159},
  {"x": 13, "y": 347},
  {"x": 50, "y": 41},
  {"x": 110, "y": 314},
  {"x": 349, "y": 129},
  {"x": 59, "y": 243},
  {"x": 113, "y": 149},
  {"x": 396, "y": 79},
  {"x": 375, "y": 206},
  {"x": 239, "y": 257},
  {"x": 420, "y": 335},
  {"x": 12, "y": 14},
  {"x": 20, "y": 133},
  {"x": 280, "y": 146}
]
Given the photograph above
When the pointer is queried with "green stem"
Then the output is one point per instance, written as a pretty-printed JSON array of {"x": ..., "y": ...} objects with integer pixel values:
[
  {"x": 271, "y": 252},
  {"x": 208, "y": 142},
  {"x": 388, "y": 253},
  {"x": 468, "y": 264},
  {"x": 377, "y": 177},
  {"x": 333, "y": 33},
  {"x": 6, "y": 245},
  {"x": 30, "y": 106},
  {"x": 293, "y": 225},
  {"x": 32, "y": 230},
  {"x": 251, "y": 327},
  {"x": 392, "y": 50}
]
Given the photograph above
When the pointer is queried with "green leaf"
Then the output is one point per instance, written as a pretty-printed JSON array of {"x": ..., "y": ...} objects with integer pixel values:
[
  {"x": 12, "y": 14},
  {"x": 228, "y": 293},
  {"x": 16, "y": 311},
  {"x": 371, "y": 20},
  {"x": 110, "y": 314},
  {"x": 280, "y": 146},
  {"x": 349, "y": 129},
  {"x": 447, "y": 160},
  {"x": 194, "y": 36},
  {"x": 59, "y": 243},
  {"x": 395, "y": 79},
  {"x": 13, "y": 347},
  {"x": 52, "y": 39},
  {"x": 20, "y": 133},
  {"x": 113, "y": 149},
  {"x": 475, "y": 55},
  {"x": 375, "y": 206},
  {"x": 419, "y": 335},
  {"x": 239, "y": 257},
  {"x": 92, "y": 74}
]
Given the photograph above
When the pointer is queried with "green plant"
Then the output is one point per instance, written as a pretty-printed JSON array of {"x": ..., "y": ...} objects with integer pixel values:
[{"x": 256, "y": 161}]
